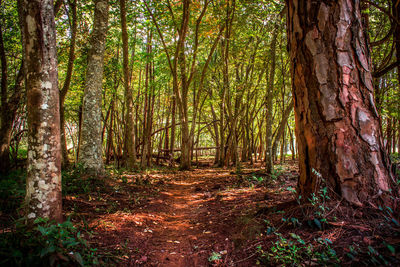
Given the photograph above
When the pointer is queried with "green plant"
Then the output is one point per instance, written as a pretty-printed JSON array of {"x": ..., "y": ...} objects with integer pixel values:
[
  {"x": 371, "y": 255},
  {"x": 276, "y": 172},
  {"x": 319, "y": 208},
  {"x": 46, "y": 243},
  {"x": 75, "y": 182},
  {"x": 12, "y": 191},
  {"x": 214, "y": 256},
  {"x": 294, "y": 251}
]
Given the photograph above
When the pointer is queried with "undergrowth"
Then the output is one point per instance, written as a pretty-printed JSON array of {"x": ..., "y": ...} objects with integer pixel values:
[
  {"x": 299, "y": 238},
  {"x": 46, "y": 243}
]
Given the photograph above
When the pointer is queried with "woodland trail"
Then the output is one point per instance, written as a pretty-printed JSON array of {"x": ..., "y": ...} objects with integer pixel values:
[{"x": 185, "y": 218}]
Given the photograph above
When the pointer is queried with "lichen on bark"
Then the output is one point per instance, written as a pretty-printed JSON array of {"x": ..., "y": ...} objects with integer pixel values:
[
  {"x": 91, "y": 151},
  {"x": 43, "y": 186}
]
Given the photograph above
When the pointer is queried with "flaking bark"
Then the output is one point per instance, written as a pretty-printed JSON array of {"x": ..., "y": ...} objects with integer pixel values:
[{"x": 337, "y": 124}]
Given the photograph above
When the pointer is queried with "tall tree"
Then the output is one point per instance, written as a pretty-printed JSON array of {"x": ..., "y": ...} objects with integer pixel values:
[
  {"x": 129, "y": 151},
  {"x": 269, "y": 167},
  {"x": 90, "y": 155},
  {"x": 43, "y": 186},
  {"x": 337, "y": 124},
  {"x": 67, "y": 82}
]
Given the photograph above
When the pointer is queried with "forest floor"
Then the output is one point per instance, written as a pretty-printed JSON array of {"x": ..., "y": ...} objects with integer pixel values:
[
  {"x": 178, "y": 218},
  {"x": 216, "y": 217}
]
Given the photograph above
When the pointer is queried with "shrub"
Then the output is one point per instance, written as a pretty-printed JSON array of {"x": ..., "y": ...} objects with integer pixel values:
[{"x": 45, "y": 243}]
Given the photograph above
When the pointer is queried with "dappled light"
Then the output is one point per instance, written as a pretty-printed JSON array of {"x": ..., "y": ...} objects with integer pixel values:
[{"x": 199, "y": 133}]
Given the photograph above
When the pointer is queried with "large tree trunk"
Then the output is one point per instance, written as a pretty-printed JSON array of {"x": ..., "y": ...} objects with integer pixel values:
[
  {"x": 90, "y": 155},
  {"x": 337, "y": 124},
  {"x": 43, "y": 185}
]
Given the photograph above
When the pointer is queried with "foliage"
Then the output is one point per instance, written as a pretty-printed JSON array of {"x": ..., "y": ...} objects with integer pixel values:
[
  {"x": 294, "y": 251},
  {"x": 214, "y": 256},
  {"x": 75, "y": 182},
  {"x": 12, "y": 191},
  {"x": 45, "y": 243}
]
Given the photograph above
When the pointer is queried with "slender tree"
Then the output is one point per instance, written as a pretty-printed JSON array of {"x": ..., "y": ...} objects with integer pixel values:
[
  {"x": 337, "y": 124},
  {"x": 43, "y": 186},
  {"x": 67, "y": 82},
  {"x": 90, "y": 155},
  {"x": 129, "y": 151}
]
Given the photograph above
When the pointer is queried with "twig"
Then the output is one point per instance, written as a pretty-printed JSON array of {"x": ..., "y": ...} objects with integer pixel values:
[{"x": 252, "y": 255}]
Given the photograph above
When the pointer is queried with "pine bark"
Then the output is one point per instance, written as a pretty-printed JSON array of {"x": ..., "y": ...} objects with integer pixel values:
[
  {"x": 43, "y": 186},
  {"x": 337, "y": 124},
  {"x": 90, "y": 155}
]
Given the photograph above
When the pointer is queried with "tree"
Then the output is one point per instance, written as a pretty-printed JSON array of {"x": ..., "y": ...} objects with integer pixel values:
[
  {"x": 130, "y": 150},
  {"x": 337, "y": 124},
  {"x": 43, "y": 185},
  {"x": 67, "y": 82},
  {"x": 11, "y": 83},
  {"x": 90, "y": 155}
]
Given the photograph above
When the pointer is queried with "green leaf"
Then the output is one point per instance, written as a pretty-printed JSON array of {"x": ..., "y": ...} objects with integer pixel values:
[
  {"x": 42, "y": 230},
  {"x": 391, "y": 249}
]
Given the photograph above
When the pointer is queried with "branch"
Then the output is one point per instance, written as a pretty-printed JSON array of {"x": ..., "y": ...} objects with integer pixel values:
[
  {"x": 383, "y": 10},
  {"x": 161, "y": 36},
  {"x": 385, "y": 70},
  {"x": 384, "y": 39}
]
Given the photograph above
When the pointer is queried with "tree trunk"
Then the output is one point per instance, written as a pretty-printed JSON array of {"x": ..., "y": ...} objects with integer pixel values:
[
  {"x": 388, "y": 134},
  {"x": 282, "y": 124},
  {"x": 337, "y": 125},
  {"x": 129, "y": 151},
  {"x": 91, "y": 151},
  {"x": 396, "y": 37},
  {"x": 67, "y": 82},
  {"x": 269, "y": 167},
  {"x": 43, "y": 185},
  {"x": 9, "y": 107}
]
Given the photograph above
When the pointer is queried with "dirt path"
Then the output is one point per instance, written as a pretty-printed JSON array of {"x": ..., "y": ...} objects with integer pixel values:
[{"x": 186, "y": 218}]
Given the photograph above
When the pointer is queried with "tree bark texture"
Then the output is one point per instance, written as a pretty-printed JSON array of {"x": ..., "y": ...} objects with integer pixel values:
[
  {"x": 90, "y": 155},
  {"x": 337, "y": 124},
  {"x": 43, "y": 186}
]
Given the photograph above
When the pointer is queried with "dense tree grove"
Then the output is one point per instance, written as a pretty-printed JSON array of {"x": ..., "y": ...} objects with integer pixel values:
[
  {"x": 142, "y": 83},
  {"x": 98, "y": 89}
]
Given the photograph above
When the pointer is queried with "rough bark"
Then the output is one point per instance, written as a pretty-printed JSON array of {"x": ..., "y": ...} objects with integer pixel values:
[
  {"x": 43, "y": 186},
  {"x": 90, "y": 155},
  {"x": 337, "y": 125}
]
